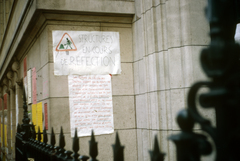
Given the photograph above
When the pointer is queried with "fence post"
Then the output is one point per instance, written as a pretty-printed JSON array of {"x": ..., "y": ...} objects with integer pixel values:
[
  {"x": 24, "y": 135},
  {"x": 45, "y": 148},
  {"x": 25, "y": 120},
  {"x": 190, "y": 146}
]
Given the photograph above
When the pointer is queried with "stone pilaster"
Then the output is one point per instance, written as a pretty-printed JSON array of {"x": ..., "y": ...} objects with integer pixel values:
[{"x": 168, "y": 38}]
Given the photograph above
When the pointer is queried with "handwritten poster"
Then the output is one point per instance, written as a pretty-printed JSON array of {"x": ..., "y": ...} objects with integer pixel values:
[
  {"x": 90, "y": 100},
  {"x": 84, "y": 52},
  {"x": 29, "y": 86},
  {"x": 34, "y": 86}
]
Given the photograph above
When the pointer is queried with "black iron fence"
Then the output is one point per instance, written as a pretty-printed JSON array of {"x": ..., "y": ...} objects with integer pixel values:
[
  {"x": 29, "y": 146},
  {"x": 33, "y": 148},
  {"x": 220, "y": 62}
]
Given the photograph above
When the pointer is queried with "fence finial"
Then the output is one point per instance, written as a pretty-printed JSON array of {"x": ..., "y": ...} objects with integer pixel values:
[
  {"x": 156, "y": 154},
  {"x": 118, "y": 150},
  {"x": 61, "y": 139},
  {"x": 75, "y": 146},
  {"x": 93, "y": 149},
  {"x": 45, "y": 138},
  {"x": 60, "y": 149},
  {"x": 53, "y": 141}
]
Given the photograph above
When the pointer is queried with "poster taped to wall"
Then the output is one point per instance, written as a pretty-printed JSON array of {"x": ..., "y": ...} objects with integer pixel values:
[
  {"x": 86, "y": 53},
  {"x": 17, "y": 110},
  {"x": 90, "y": 102}
]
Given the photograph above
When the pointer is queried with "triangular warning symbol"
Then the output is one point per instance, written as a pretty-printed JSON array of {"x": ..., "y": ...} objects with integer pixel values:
[{"x": 66, "y": 44}]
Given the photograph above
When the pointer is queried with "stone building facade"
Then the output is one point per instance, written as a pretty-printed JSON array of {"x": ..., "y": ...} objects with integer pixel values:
[{"x": 160, "y": 42}]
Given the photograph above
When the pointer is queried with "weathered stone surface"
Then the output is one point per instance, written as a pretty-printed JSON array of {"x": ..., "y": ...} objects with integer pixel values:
[{"x": 160, "y": 43}]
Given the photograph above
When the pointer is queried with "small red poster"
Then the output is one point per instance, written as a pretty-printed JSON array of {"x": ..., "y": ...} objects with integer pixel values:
[{"x": 46, "y": 115}]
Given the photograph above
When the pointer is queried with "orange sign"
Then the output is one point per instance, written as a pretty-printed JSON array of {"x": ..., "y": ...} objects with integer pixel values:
[{"x": 66, "y": 43}]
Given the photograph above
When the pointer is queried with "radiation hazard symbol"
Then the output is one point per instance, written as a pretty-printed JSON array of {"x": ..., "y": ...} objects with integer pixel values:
[{"x": 66, "y": 44}]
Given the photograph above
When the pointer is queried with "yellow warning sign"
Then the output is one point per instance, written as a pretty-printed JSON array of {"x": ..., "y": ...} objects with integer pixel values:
[{"x": 66, "y": 44}]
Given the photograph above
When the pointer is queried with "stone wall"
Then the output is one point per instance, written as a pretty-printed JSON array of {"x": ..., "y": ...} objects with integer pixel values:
[
  {"x": 168, "y": 37},
  {"x": 53, "y": 90}
]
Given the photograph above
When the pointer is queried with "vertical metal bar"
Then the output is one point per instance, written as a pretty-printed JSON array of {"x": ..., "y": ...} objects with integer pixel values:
[
  {"x": 75, "y": 146},
  {"x": 93, "y": 149},
  {"x": 118, "y": 150}
]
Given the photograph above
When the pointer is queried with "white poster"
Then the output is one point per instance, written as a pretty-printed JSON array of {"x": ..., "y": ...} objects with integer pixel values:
[
  {"x": 86, "y": 53},
  {"x": 90, "y": 101},
  {"x": 17, "y": 110},
  {"x": 29, "y": 86}
]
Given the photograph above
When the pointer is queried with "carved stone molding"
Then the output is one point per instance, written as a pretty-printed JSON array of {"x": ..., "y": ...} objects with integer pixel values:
[
  {"x": 15, "y": 68},
  {"x": 19, "y": 81},
  {"x": 10, "y": 79},
  {"x": 6, "y": 83},
  {"x": 10, "y": 75}
]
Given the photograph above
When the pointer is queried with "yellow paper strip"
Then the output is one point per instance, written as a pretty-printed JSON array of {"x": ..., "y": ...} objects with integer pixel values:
[
  {"x": 39, "y": 117},
  {"x": 5, "y": 131},
  {"x": 34, "y": 116},
  {"x": 2, "y": 134},
  {"x": 11, "y": 141}
]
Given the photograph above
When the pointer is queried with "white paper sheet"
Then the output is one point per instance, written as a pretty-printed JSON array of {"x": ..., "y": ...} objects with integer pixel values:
[
  {"x": 29, "y": 86},
  {"x": 90, "y": 101},
  {"x": 17, "y": 110},
  {"x": 86, "y": 53}
]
